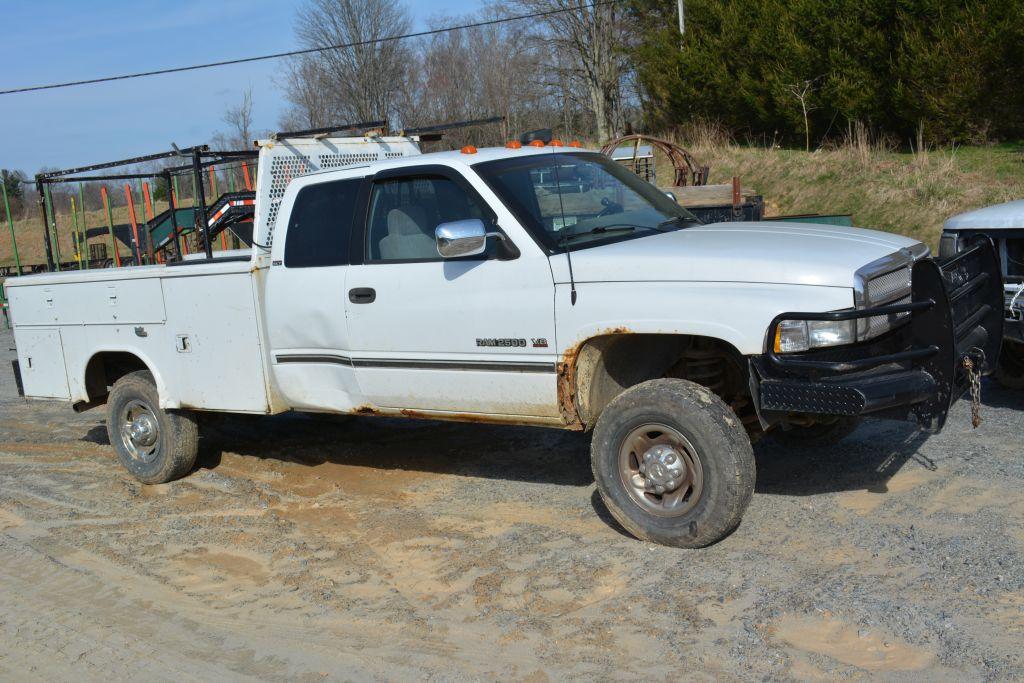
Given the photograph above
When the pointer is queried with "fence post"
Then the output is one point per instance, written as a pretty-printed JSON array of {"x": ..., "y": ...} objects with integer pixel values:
[
  {"x": 10, "y": 226},
  {"x": 84, "y": 239},
  {"x": 184, "y": 236},
  {"x": 52, "y": 226},
  {"x": 75, "y": 234},
  {"x": 46, "y": 223},
  {"x": 110, "y": 225}
]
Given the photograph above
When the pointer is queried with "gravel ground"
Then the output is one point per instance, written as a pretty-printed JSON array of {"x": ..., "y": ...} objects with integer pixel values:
[{"x": 378, "y": 549}]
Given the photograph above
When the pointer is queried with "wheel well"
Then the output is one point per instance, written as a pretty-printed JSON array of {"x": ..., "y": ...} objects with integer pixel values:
[
  {"x": 107, "y": 367},
  {"x": 606, "y": 366}
]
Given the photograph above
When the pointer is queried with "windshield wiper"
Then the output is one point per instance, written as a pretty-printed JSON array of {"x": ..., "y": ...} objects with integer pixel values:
[
  {"x": 676, "y": 220},
  {"x": 599, "y": 230},
  {"x": 602, "y": 229}
]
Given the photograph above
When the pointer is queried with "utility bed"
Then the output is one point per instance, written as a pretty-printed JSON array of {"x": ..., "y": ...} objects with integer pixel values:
[{"x": 206, "y": 309}]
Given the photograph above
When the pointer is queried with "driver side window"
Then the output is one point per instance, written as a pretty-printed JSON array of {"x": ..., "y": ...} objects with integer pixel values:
[{"x": 404, "y": 213}]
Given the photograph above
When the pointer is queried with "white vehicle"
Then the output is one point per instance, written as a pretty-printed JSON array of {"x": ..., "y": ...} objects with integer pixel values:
[
  {"x": 1003, "y": 224},
  {"x": 538, "y": 284}
]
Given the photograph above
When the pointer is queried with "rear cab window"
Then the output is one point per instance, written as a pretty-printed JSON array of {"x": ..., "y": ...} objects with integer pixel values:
[{"x": 320, "y": 224}]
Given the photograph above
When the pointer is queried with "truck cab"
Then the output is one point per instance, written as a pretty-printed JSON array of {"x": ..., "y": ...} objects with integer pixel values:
[{"x": 538, "y": 284}]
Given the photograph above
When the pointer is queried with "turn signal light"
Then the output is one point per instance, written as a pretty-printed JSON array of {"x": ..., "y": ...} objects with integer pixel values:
[
  {"x": 555, "y": 143},
  {"x": 514, "y": 144},
  {"x": 536, "y": 143},
  {"x": 469, "y": 149}
]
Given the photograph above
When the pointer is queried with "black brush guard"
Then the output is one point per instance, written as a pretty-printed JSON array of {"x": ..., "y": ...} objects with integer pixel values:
[{"x": 914, "y": 372}]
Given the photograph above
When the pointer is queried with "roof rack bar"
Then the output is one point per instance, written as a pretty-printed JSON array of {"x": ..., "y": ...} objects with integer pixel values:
[
  {"x": 366, "y": 125},
  {"x": 450, "y": 126},
  {"x": 230, "y": 154},
  {"x": 122, "y": 162},
  {"x": 189, "y": 167},
  {"x": 86, "y": 178}
]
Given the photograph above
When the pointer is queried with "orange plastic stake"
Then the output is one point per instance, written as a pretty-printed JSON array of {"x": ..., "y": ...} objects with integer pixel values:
[
  {"x": 149, "y": 202},
  {"x": 245, "y": 174},
  {"x": 135, "y": 223}
]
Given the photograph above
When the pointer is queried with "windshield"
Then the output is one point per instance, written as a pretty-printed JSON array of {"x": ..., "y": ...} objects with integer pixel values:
[{"x": 579, "y": 200}]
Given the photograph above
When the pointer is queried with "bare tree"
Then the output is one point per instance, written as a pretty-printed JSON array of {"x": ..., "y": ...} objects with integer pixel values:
[
  {"x": 477, "y": 73},
  {"x": 584, "y": 43},
  {"x": 358, "y": 83},
  {"x": 238, "y": 117},
  {"x": 802, "y": 92}
]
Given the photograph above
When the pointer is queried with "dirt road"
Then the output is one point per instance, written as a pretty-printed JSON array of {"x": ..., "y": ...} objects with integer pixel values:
[{"x": 374, "y": 549}]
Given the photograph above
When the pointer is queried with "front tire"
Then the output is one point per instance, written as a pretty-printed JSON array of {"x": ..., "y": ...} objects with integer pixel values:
[
  {"x": 673, "y": 463},
  {"x": 155, "y": 445}
]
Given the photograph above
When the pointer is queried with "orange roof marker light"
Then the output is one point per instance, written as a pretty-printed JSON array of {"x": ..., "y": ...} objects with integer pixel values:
[
  {"x": 469, "y": 149},
  {"x": 536, "y": 143},
  {"x": 575, "y": 143},
  {"x": 514, "y": 144},
  {"x": 556, "y": 143}
]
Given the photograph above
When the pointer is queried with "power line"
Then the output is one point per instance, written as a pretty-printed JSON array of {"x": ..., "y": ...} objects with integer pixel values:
[{"x": 294, "y": 53}]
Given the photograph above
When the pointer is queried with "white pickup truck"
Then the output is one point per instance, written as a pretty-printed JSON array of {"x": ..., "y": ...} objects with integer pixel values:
[{"x": 534, "y": 284}]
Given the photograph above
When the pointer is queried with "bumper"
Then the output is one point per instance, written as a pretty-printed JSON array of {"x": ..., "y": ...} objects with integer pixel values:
[{"x": 914, "y": 372}]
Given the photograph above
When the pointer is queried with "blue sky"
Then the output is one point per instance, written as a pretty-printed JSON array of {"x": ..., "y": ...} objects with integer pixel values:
[{"x": 62, "y": 40}]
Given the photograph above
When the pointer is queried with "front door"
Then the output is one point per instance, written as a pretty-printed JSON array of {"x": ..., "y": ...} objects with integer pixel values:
[{"x": 461, "y": 335}]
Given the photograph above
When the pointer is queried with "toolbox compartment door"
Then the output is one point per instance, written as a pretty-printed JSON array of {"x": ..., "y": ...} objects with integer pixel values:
[
  {"x": 110, "y": 302},
  {"x": 41, "y": 361}
]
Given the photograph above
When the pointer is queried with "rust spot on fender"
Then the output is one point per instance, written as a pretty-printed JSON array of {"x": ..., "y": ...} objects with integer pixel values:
[
  {"x": 365, "y": 410},
  {"x": 567, "y": 380}
]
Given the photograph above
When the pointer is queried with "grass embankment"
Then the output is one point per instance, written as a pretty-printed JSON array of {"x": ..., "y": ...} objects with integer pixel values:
[
  {"x": 911, "y": 194},
  {"x": 906, "y": 193}
]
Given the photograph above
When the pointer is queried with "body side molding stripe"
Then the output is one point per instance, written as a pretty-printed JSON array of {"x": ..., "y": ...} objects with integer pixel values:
[{"x": 492, "y": 366}]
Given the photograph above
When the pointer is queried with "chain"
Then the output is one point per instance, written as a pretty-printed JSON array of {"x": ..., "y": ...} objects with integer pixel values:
[{"x": 974, "y": 370}]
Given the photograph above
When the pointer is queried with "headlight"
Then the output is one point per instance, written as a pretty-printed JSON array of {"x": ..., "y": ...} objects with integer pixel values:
[{"x": 802, "y": 335}]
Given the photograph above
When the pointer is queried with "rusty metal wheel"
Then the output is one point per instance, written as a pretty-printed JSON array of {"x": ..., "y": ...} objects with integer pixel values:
[{"x": 661, "y": 470}]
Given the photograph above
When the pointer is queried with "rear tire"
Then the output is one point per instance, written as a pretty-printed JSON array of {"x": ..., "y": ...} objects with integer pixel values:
[
  {"x": 155, "y": 445},
  {"x": 673, "y": 463}
]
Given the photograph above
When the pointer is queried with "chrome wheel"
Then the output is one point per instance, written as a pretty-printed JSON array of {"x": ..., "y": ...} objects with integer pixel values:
[
  {"x": 140, "y": 431},
  {"x": 660, "y": 470}
]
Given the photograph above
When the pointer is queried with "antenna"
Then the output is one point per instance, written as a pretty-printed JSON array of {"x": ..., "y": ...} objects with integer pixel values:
[{"x": 568, "y": 248}]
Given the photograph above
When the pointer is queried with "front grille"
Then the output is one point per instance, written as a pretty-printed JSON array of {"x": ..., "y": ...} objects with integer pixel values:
[{"x": 889, "y": 288}]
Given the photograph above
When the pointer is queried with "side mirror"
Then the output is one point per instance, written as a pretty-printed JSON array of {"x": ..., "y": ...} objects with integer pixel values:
[
  {"x": 672, "y": 196},
  {"x": 461, "y": 238}
]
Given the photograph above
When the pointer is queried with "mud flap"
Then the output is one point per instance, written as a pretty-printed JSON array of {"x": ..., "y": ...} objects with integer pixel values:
[{"x": 16, "y": 367}]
